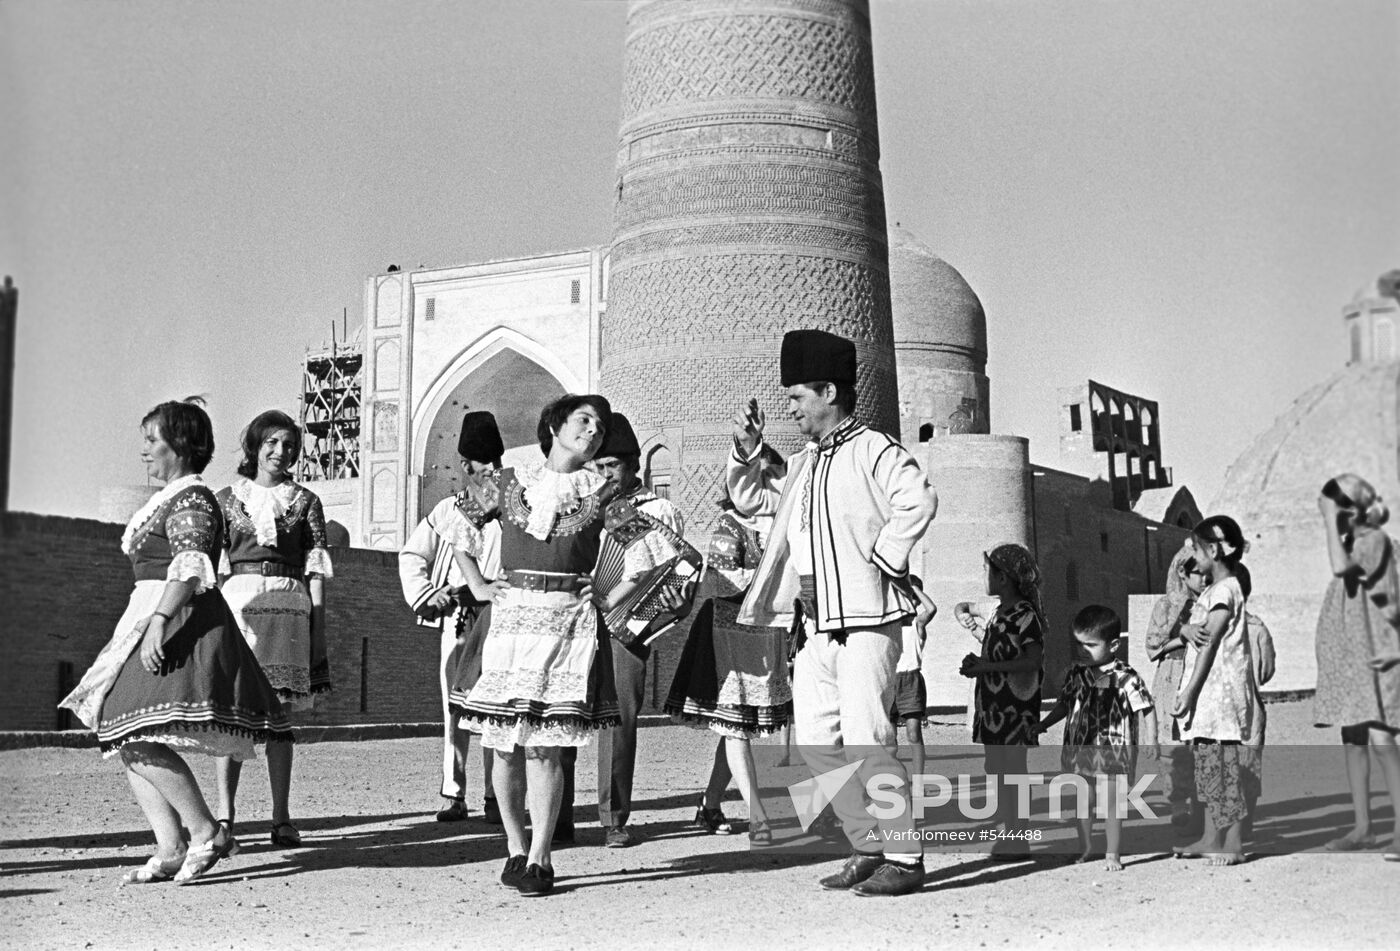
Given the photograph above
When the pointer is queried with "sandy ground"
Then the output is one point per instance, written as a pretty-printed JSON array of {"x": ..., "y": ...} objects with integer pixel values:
[{"x": 376, "y": 871}]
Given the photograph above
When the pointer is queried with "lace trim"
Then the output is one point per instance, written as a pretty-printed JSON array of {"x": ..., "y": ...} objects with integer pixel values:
[
  {"x": 290, "y": 678},
  {"x": 144, "y": 518},
  {"x": 457, "y": 530},
  {"x": 265, "y": 506},
  {"x": 318, "y": 562},
  {"x": 194, "y": 565},
  {"x": 544, "y": 686},
  {"x": 741, "y": 690},
  {"x": 548, "y": 493}
]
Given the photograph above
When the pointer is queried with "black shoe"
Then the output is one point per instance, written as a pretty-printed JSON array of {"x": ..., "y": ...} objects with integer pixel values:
[
  {"x": 455, "y": 811},
  {"x": 618, "y": 837},
  {"x": 537, "y": 880},
  {"x": 491, "y": 812},
  {"x": 893, "y": 878},
  {"x": 856, "y": 869},
  {"x": 712, "y": 820},
  {"x": 514, "y": 872}
]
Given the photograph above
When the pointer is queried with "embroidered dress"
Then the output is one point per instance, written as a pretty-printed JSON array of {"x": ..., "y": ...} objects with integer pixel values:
[
  {"x": 1101, "y": 728},
  {"x": 283, "y": 527},
  {"x": 1351, "y": 630},
  {"x": 210, "y": 696},
  {"x": 1008, "y": 705},
  {"x": 732, "y": 678},
  {"x": 546, "y": 671}
]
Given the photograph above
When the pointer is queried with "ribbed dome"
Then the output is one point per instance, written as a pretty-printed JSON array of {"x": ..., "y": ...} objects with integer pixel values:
[
  {"x": 933, "y": 305},
  {"x": 1346, "y": 424}
]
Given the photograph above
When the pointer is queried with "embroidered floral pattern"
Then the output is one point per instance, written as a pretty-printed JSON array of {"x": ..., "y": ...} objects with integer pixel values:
[{"x": 547, "y": 503}]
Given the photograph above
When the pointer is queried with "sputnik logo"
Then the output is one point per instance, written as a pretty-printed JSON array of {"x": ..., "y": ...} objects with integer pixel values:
[{"x": 811, "y": 796}]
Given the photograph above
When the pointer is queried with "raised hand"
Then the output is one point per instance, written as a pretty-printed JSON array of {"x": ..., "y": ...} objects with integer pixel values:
[{"x": 748, "y": 425}]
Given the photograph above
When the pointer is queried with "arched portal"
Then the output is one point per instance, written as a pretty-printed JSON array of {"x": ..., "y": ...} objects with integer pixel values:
[{"x": 511, "y": 386}]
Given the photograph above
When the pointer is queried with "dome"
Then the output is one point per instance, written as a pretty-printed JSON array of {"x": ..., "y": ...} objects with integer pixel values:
[
  {"x": 1383, "y": 287},
  {"x": 934, "y": 307},
  {"x": 1346, "y": 424}
]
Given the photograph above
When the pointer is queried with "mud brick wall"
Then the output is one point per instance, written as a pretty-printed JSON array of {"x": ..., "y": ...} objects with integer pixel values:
[{"x": 65, "y": 581}]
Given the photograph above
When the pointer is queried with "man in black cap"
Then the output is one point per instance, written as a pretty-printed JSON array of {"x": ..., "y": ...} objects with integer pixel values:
[
  {"x": 433, "y": 586},
  {"x": 847, "y": 512},
  {"x": 619, "y": 461}
]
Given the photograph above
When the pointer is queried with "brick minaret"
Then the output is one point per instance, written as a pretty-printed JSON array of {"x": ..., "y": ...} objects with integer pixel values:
[
  {"x": 749, "y": 203},
  {"x": 9, "y": 307}
]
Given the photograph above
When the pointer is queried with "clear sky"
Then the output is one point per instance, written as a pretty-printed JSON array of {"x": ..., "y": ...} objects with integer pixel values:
[{"x": 1175, "y": 199}]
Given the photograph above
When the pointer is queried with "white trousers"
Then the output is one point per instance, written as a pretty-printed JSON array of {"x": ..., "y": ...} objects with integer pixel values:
[
  {"x": 455, "y": 740},
  {"x": 841, "y": 699}
]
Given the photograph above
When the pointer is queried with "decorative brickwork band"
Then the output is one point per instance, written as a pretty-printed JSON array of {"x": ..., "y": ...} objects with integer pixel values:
[{"x": 749, "y": 203}]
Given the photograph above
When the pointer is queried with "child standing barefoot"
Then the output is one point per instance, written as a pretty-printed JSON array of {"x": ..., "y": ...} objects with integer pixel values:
[
  {"x": 910, "y": 692},
  {"x": 1008, "y": 675},
  {"x": 1358, "y": 648},
  {"x": 1215, "y": 707},
  {"x": 1110, "y": 712}
]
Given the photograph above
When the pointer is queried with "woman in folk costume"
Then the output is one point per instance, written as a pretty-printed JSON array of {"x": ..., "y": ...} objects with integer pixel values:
[
  {"x": 732, "y": 678},
  {"x": 546, "y": 676},
  {"x": 435, "y": 587},
  {"x": 275, "y": 565},
  {"x": 177, "y": 674}
]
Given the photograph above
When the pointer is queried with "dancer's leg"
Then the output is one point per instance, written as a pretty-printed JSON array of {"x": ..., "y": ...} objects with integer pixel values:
[
  {"x": 544, "y": 786},
  {"x": 279, "y": 773}
]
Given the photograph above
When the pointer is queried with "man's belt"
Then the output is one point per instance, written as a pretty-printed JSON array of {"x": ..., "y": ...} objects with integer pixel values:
[
  {"x": 268, "y": 569},
  {"x": 544, "y": 581},
  {"x": 805, "y": 606}
]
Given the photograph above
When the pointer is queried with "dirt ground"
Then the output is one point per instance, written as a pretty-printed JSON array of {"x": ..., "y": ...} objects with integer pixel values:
[{"x": 376, "y": 871}]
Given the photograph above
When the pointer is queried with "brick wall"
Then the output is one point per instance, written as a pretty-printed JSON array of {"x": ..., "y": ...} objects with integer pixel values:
[{"x": 65, "y": 581}]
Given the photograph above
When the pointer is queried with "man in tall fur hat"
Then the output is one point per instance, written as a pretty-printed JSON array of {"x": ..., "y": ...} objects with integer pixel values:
[
  {"x": 847, "y": 512},
  {"x": 434, "y": 588}
]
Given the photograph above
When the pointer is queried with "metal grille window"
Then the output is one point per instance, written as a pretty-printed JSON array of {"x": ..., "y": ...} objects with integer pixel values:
[
  {"x": 430, "y": 308},
  {"x": 575, "y": 289}
]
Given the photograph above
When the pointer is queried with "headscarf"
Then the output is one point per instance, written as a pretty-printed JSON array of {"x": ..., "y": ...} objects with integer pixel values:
[
  {"x": 1356, "y": 494},
  {"x": 1019, "y": 565},
  {"x": 1169, "y": 606}
]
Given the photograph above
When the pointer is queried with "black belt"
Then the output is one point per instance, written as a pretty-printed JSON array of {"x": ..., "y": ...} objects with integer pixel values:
[
  {"x": 544, "y": 581},
  {"x": 268, "y": 569}
]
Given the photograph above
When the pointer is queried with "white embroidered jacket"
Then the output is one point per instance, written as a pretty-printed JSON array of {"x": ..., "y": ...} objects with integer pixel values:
[
  {"x": 870, "y": 503},
  {"x": 426, "y": 564}
]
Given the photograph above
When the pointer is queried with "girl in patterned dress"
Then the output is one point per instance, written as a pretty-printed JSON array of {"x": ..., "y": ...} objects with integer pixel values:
[
  {"x": 546, "y": 677},
  {"x": 732, "y": 678},
  {"x": 177, "y": 675},
  {"x": 1358, "y": 649},
  {"x": 1216, "y": 706},
  {"x": 275, "y": 565},
  {"x": 1008, "y": 675}
]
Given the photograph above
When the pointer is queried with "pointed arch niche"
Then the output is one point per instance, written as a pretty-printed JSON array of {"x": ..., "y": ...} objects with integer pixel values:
[{"x": 505, "y": 373}]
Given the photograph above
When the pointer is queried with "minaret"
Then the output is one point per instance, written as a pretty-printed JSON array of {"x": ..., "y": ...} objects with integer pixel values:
[
  {"x": 749, "y": 203},
  {"x": 9, "y": 314}
]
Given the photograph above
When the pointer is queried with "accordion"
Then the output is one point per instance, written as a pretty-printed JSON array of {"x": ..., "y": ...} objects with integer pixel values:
[{"x": 638, "y": 618}]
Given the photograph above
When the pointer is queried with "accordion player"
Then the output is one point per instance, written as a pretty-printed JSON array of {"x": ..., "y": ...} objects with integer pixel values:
[{"x": 635, "y": 610}]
